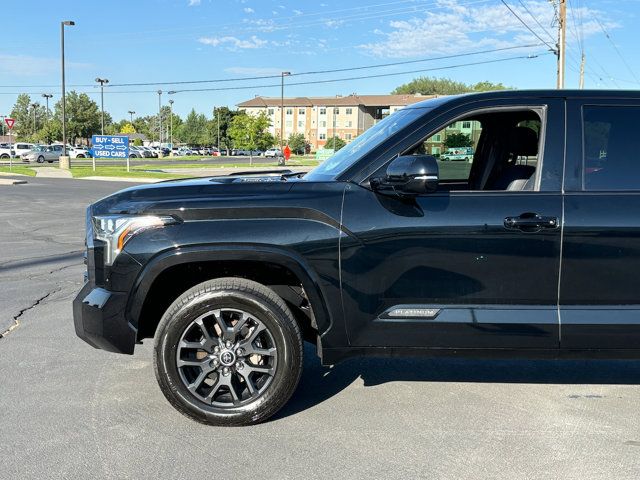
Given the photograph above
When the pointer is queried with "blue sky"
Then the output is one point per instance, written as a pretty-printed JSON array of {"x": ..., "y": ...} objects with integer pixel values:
[{"x": 146, "y": 41}]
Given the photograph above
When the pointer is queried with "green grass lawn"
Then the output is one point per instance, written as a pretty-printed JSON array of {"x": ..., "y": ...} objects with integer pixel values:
[
  {"x": 19, "y": 169},
  {"x": 110, "y": 171}
]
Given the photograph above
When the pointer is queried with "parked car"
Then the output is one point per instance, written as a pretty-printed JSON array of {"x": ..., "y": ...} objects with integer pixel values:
[
  {"x": 20, "y": 147},
  {"x": 78, "y": 152},
  {"x": 529, "y": 251},
  {"x": 6, "y": 151},
  {"x": 273, "y": 153},
  {"x": 42, "y": 153},
  {"x": 136, "y": 151}
]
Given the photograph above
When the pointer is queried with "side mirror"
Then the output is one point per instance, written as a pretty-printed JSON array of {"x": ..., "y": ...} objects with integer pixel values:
[{"x": 411, "y": 175}]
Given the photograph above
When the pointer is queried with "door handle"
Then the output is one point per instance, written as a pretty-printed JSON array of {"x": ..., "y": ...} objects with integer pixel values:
[{"x": 531, "y": 222}]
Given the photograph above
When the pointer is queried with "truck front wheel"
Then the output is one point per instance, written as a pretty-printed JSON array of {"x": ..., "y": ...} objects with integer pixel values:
[{"x": 228, "y": 352}]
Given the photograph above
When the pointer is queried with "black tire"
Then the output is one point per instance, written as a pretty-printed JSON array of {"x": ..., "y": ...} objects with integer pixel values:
[
  {"x": 40, "y": 159},
  {"x": 261, "y": 305},
  {"x": 4, "y": 155}
]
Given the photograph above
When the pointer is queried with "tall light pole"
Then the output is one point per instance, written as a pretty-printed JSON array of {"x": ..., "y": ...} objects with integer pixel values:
[
  {"x": 160, "y": 116},
  {"x": 46, "y": 97},
  {"x": 218, "y": 137},
  {"x": 34, "y": 106},
  {"x": 171, "y": 123},
  {"x": 102, "y": 82},
  {"x": 131, "y": 114},
  {"x": 64, "y": 163},
  {"x": 284, "y": 74}
]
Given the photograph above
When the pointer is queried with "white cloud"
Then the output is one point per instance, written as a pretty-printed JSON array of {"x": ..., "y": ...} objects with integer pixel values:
[
  {"x": 297, "y": 12},
  {"x": 456, "y": 28},
  {"x": 234, "y": 42},
  {"x": 253, "y": 70},
  {"x": 248, "y": 10},
  {"x": 194, "y": 3}
]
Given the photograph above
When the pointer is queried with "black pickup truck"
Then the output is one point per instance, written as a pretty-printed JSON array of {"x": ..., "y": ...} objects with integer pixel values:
[{"x": 532, "y": 249}]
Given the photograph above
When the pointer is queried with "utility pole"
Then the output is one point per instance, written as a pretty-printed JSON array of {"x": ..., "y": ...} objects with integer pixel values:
[
  {"x": 562, "y": 41},
  {"x": 102, "y": 82},
  {"x": 582, "y": 71},
  {"x": 218, "y": 137},
  {"x": 284, "y": 74},
  {"x": 131, "y": 114}
]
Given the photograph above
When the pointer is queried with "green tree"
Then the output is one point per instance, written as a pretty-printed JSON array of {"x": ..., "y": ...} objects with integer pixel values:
[
  {"x": 297, "y": 143},
  {"x": 194, "y": 129},
  {"x": 444, "y": 86},
  {"x": 249, "y": 132},
  {"x": 51, "y": 131},
  {"x": 83, "y": 116},
  {"x": 335, "y": 143},
  {"x": 22, "y": 112},
  {"x": 224, "y": 115},
  {"x": 454, "y": 140}
]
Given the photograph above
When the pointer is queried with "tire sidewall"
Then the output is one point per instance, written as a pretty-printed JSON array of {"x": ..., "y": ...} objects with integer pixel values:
[{"x": 171, "y": 329}]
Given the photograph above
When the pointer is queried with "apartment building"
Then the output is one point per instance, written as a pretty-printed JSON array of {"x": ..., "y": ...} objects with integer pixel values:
[{"x": 320, "y": 118}]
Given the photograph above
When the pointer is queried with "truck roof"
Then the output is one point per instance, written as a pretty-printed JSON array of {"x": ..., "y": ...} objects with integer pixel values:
[{"x": 510, "y": 94}]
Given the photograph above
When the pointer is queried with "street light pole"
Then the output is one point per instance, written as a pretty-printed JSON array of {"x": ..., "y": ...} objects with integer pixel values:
[
  {"x": 64, "y": 160},
  {"x": 102, "y": 82},
  {"x": 131, "y": 113},
  {"x": 34, "y": 106},
  {"x": 46, "y": 97},
  {"x": 160, "y": 116},
  {"x": 171, "y": 123},
  {"x": 218, "y": 137},
  {"x": 284, "y": 74}
]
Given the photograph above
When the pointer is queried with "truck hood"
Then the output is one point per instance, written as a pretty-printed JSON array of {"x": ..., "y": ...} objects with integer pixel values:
[{"x": 175, "y": 195}]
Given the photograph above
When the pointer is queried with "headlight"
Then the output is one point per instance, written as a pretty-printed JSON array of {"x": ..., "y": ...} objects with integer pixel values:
[{"x": 117, "y": 230}]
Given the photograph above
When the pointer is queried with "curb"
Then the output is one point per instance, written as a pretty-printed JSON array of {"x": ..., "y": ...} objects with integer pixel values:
[{"x": 10, "y": 181}]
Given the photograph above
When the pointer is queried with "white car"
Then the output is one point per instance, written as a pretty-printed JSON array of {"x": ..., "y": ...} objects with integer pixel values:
[
  {"x": 20, "y": 147},
  {"x": 5, "y": 152},
  {"x": 78, "y": 152},
  {"x": 273, "y": 152}
]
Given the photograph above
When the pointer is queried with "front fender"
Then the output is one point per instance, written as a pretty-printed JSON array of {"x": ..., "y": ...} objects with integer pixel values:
[{"x": 261, "y": 253}]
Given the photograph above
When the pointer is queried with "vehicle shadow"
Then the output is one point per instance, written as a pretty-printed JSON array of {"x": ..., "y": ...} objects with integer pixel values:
[{"x": 320, "y": 383}]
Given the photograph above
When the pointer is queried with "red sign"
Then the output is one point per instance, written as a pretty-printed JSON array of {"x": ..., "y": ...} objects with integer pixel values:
[
  {"x": 10, "y": 122},
  {"x": 287, "y": 152}
]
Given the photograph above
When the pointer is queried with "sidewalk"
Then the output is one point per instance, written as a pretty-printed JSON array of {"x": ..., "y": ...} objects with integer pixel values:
[{"x": 52, "y": 172}]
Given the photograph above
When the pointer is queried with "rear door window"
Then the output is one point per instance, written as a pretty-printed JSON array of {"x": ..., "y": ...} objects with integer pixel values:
[{"x": 611, "y": 148}]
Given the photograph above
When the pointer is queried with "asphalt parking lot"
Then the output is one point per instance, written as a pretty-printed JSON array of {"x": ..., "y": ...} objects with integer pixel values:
[{"x": 69, "y": 411}]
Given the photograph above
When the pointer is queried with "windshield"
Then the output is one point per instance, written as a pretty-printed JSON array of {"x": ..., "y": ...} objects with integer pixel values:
[{"x": 352, "y": 152}]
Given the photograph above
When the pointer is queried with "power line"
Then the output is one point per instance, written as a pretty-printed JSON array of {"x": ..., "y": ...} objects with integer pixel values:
[
  {"x": 315, "y": 82},
  {"x": 553, "y": 48},
  {"x": 315, "y": 72},
  {"x": 536, "y": 20},
  {"x": 380, "y": 75},
  {"x": 606, "y": 34}
]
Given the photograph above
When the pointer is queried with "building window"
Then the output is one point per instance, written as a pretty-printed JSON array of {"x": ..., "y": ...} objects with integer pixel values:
[
  {"x": 288, "y": 124},
  {"x": 349, "y": 123},
  {"x": 300, "y": 123},
  {"x": 322, "y": 136},
  {"x": 301, "y": 111},
  {"x": 349, "y": 111},
  {"x": 323, "y": 111},
  {"x": 437, "y": 137},
  {"x": 466, "y": 124},
  {"x": 323, "y": 123},
  {"x": 270, "y": 111},
  {"x": 336, "y": 111},
  {"x": 289, "y": 111},
  {"x": 347, "y": 136},
  {"x": 435, "y": 150}
]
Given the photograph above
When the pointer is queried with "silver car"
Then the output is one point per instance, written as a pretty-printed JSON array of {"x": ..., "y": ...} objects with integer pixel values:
[{"x": 43, "y": 153}]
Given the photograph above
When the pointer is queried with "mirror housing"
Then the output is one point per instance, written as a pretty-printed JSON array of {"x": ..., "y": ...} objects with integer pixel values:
[{"x": 411, "y": 175}]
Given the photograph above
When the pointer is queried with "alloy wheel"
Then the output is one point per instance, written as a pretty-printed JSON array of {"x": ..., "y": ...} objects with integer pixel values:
[{"x": 226, "y": 358}]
